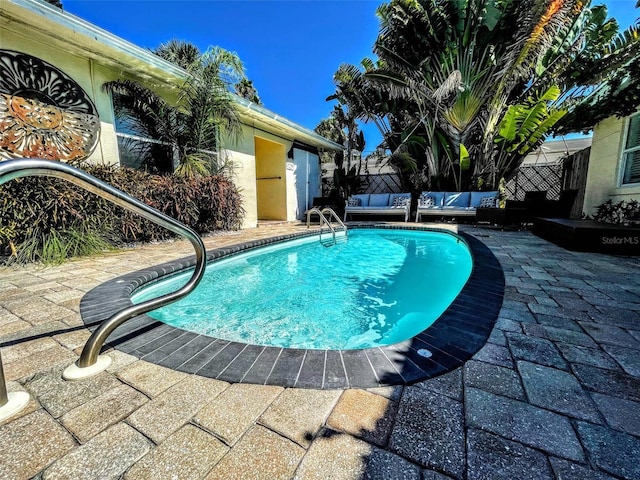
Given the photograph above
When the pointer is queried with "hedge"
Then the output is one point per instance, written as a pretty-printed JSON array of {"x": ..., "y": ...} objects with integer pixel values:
[{"x": 35, "y": 212}]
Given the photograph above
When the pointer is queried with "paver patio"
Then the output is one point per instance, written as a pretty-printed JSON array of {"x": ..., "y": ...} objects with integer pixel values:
[{"x": 554, "y": 394}]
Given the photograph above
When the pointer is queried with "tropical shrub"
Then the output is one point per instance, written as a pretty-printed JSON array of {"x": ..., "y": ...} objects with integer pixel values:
[
  {"x": 48, "y": 219},
  {"x": 621, "y": 213},
  {"x": 483, "y": 82}
]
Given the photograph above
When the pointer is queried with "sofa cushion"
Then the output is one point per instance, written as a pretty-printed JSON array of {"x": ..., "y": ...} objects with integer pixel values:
[
  {"x": 456, "y": 199},
  {"x": 477, "y": 197},
  {"x": 436, "y": 202},
  {"x": 363, "y": 197},
  {"x": 427, "y": 201},
  {"x": 488, "y": 202},
  {"x": 378, "y": 200},
  {"x": 354, "y": 202},
  {"x": 400, "y": 202},
  {"x": 393, "y": 198}
]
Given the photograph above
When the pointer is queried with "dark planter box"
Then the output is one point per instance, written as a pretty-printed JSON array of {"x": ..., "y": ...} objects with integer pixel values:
[{"x": 589, "y": 236}]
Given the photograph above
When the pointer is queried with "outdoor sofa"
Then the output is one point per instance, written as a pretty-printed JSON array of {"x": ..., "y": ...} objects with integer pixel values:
[
  {"x": 379, "y": 204},
  {"x": 454, "y": 204},
  {"x": 535, "y": 204}
]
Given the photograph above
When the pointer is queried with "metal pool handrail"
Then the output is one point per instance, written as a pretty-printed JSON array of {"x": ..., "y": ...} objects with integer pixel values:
[
  {"x": 12, "y": 169},
  {"x": 325, "y": 221}
]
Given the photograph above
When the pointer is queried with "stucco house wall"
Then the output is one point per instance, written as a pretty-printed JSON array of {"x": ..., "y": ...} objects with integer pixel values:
[
  {"x": 605, "y": 166},
  {"x": 92, "y": 56}
]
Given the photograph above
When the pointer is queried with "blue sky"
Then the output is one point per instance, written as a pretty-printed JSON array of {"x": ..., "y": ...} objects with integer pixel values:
[{"x": 290, "y": 48}]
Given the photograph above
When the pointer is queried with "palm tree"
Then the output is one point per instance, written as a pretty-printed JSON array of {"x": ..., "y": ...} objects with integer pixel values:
[
  {"x": 246, "y": 90},
  {"x": 604, "y": 80},
  {"x": 341, "y": 127},
  {"x": 179, "y": 52},
  {"x": 451, "y": 71},
  {"x": 204, "y": 113}
]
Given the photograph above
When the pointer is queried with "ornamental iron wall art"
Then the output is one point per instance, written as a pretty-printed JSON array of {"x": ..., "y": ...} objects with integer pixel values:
[{"x": 43, "y": 112}]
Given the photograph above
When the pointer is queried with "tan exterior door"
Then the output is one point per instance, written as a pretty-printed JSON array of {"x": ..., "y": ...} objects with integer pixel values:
[{"x": 271, "y": 182}]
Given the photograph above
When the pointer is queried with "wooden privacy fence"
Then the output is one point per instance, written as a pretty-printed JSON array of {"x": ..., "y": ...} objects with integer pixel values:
[
  {"x": 574, "y": 177},
  {"x": 372, "y": 183},
  {"x": 382, "y": 183}
]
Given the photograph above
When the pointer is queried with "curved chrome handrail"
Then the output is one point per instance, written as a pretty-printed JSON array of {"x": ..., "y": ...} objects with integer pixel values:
[
  {"x": 12, "y": 169},
  {"x": 325, "y": 221}
]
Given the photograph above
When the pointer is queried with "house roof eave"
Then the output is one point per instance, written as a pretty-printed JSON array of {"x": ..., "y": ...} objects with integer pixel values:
[
  {"x": 80, "y": 37},
  {"x": 71, "y": 33}
]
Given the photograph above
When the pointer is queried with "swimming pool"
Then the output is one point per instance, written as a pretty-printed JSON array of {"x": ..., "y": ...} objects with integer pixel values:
[
  {"x": 378, "y": 288},
  {"x": 462, "y": 329}
]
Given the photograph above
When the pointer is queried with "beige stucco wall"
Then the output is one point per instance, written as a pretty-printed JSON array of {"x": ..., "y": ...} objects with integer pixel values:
[
  {"x": 605, "y": 164},
  {"x": 241, "y": 154}
]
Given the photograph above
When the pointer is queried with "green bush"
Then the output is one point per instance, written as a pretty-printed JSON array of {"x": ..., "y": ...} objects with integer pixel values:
[
  {"x": 621, "y": 213},
  {"x": 56, "y": 246},
  {"x": 49, "y": 219}
]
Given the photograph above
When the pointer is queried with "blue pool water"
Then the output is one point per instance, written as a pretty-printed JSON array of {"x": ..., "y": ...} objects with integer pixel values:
[{"x": 380, "y": 287}]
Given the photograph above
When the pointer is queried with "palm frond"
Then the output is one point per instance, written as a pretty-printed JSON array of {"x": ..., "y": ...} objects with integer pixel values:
[
  {"x": 452, "y": 85},
  {"x": 464, "y": 112},
  {"x": 541, "y": 36},
  {"x": 179, "y": 52},
  {"x": 197, "y": 164}
]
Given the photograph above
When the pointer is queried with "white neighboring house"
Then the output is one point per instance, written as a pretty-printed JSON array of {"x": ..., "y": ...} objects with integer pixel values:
[
  {"x": 276, "y": 163},
  {"x": 552, "y": 152}
]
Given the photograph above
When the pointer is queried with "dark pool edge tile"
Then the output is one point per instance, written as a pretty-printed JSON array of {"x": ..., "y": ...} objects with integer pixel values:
[{"x": 452, "y": 339}]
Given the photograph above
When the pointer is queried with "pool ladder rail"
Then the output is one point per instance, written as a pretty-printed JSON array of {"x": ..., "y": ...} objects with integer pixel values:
[
  {"x": 338, "y": 232},
  {"x": 91, "y": 362}
]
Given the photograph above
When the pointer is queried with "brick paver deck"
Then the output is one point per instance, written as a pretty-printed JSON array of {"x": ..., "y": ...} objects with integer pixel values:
[{"x": 554, "y": 394}]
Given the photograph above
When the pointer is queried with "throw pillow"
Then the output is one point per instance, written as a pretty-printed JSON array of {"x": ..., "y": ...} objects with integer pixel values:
[
  {"x": 488, "y": 202},
  {"x": 353, "y": 202},
  {"x": 401, "y": 201},
  {"x": 427, "y": 201}
]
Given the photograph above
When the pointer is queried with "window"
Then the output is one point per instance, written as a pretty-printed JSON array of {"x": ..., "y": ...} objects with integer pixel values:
[
  {"x": 631, "y": 153},
  {"x": 144, "y": 153},
  {"x": 136, "y": 146}
]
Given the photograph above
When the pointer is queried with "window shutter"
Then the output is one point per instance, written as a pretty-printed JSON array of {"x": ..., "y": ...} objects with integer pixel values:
[
  {"x": 631, "y": 154},
  {"x": 632, "y": 167}
]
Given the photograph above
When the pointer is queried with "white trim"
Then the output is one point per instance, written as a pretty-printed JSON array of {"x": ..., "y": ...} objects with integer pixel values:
[
  {"x": 250, "y": 111},
  {"x": 80, "y": 27},
  {"x": 141, "y": 139},
  {"x": 105, "y": 47},
  {"x": 624, "y": 151}
]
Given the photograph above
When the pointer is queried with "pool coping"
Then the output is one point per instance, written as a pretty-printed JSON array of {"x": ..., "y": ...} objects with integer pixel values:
[{"x": 448, "y": 343}]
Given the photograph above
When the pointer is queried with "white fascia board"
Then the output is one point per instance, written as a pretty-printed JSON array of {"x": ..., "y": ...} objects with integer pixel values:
[
  {"x": 255, "y": 115},
  {"x": 54, "y": 24},
  {"x": 94, "y": 42}
]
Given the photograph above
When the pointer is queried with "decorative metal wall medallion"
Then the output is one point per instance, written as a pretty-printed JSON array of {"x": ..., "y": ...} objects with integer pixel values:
[{"x": 43, "y": 112}]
